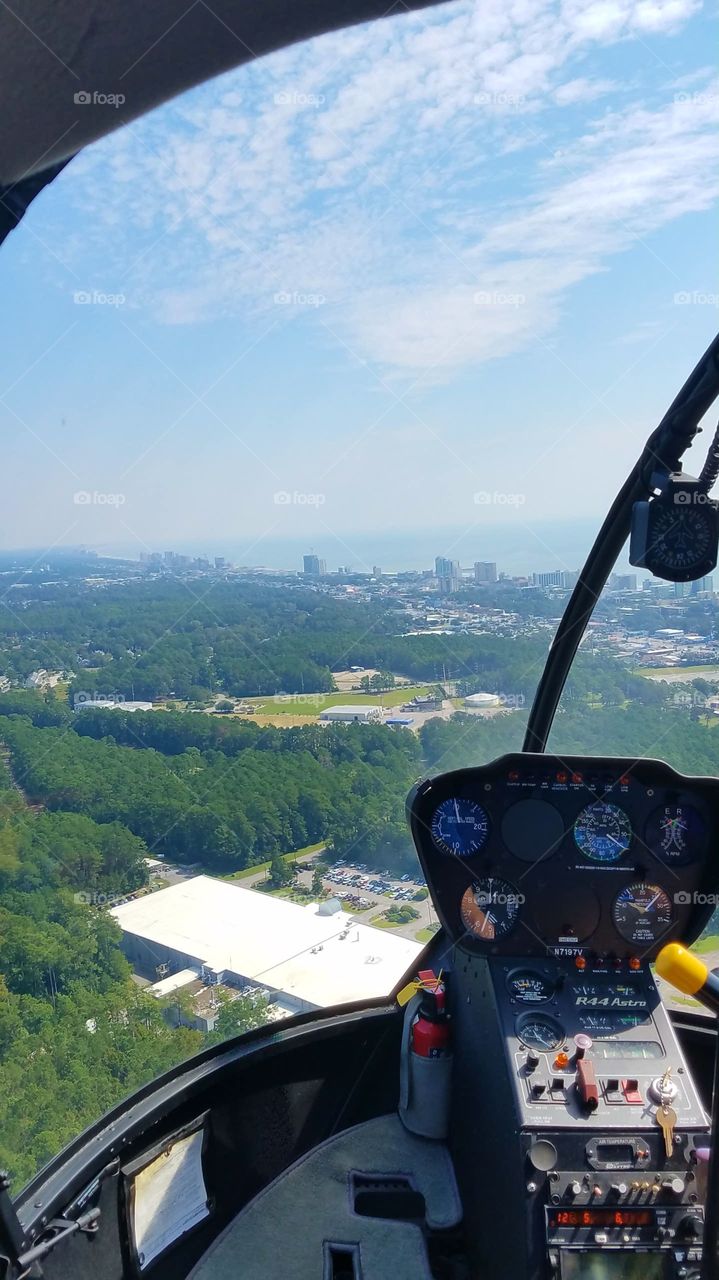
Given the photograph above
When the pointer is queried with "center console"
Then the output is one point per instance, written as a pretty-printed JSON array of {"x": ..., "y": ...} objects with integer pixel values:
[{"x": 577, "y": 1133}]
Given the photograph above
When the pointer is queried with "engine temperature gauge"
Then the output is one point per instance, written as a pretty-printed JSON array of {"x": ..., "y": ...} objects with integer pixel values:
[{"x": 530, "y": 987}]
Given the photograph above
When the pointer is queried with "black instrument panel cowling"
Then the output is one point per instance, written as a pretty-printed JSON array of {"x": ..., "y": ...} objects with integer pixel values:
[{"x": 568, "y": 855}]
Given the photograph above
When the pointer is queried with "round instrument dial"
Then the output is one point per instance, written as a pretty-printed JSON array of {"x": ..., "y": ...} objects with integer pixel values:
[
  {"x": 675, "y": 833},
  {"x": 460, "y": 827},
  {"x": 683, "y": 537},
  {"x": 603, "y": 832},
  {"x": 530, "y": 987},
  {"x": 490, "y": 909},
  {"x": 540, "y": 1032},
  {"x": 642, "y": 913}
]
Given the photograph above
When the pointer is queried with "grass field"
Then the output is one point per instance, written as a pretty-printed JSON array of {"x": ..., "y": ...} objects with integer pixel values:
[
  {"x": 310, "y": 704},
  {"x": 710, "y": 943},
  {"x": 710, "y": 671},
  {"x": 265, "y": 866},
  {"x": 424, "y": 935}
]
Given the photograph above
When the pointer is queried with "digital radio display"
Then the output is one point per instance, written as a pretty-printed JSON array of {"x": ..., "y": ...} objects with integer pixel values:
[{"x": 601, "y": 1218}]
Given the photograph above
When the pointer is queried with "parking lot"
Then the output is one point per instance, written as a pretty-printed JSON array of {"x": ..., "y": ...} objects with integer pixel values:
[{"x": 370, "y": 892}]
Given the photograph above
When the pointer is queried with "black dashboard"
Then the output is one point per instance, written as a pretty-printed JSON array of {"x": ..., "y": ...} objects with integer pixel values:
[{"x": 542, "y": 855}]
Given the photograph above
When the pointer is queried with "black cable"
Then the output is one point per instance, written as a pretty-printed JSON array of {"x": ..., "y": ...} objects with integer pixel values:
[
  {"x": 661, "y": 455},
  {"x": 710, "y": 470}
]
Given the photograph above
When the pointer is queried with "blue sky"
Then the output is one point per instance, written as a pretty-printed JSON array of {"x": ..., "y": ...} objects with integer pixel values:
[{"x": 444, "y": 269}]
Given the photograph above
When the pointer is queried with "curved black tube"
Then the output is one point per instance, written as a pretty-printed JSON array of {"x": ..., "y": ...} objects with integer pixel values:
[{"x": 662, "y": 452}]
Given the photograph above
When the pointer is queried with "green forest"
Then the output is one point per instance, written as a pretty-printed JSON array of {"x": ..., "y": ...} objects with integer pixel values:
[{"x": 86, "y": 798}]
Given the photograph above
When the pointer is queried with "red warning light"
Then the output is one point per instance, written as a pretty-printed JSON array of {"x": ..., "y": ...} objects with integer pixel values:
[
  {"x": 577, "y": 777},
  {"x": 580, "y": 962},
  {"x": 561, "y": 777}
]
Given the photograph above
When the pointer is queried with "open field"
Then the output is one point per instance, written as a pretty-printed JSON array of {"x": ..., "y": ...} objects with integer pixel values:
[
  {"x": 261, "y": 867},
  {"x": 679, "y": 675},
  {"x": 310, "y": 704}
]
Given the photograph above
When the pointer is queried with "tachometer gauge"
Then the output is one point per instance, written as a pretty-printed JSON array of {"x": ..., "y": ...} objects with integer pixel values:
[
  {"x": 642, "y": 913},
  {"x": 460, "y": 827},
  {"x": 675, "y": 832},
  {"x": 603, "y": 832},
  {"x": 490, "y": 909},
  {"x": 530, "y": 987},
  {"x": 540, "y": 1032}
]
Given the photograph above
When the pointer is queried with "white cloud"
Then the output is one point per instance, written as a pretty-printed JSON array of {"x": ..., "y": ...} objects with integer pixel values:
[{"x": 398, "y": 169}]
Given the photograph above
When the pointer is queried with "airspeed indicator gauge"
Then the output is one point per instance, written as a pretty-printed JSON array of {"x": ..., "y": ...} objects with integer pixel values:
[{"x": 603, "y": 832}]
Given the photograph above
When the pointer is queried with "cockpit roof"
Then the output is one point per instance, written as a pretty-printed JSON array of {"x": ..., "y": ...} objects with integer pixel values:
[{"x": 74, "y": 71}]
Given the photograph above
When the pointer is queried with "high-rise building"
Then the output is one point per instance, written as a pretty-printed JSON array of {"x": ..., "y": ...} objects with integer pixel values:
[
  {"x": 551, "y": 579},
  {"x": 703, "y": 584},
  {"x": 447, "y": 575},
  {"x": 623, "y": 582},
  {"x": 485, "y": 571},
  {"x": 569, "y": 579},
  {"x": 313, "y": 567},
  {"x": 376, "y": 571}
]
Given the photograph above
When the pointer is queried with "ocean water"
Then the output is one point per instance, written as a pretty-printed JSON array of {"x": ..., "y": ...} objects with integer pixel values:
[{"x": 517, "y": 549}]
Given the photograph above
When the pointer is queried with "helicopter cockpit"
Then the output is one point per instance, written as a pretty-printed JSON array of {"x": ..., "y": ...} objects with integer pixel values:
[{"x": 524, "y": 1105}]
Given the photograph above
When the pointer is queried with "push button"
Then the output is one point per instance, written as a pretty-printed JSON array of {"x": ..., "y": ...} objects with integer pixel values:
[{"x": 630, "y": 1089}]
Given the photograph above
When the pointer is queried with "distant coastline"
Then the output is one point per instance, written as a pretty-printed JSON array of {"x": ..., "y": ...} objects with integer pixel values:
[{"x": 516, "y": 549}]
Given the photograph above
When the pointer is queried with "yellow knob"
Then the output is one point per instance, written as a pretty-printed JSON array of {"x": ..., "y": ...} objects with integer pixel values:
[{"x": 684, "y": 970}]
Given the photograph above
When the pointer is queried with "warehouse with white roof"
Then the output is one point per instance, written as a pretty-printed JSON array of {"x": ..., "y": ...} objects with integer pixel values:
[{"x": 306, "y": 957}]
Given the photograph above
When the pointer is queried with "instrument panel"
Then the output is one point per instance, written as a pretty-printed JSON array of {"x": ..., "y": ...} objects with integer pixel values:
[{"x": 536, "y": 854}]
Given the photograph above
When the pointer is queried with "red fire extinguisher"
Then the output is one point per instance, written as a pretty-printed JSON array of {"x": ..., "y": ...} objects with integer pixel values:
[{"x": 430, "y": 1035}]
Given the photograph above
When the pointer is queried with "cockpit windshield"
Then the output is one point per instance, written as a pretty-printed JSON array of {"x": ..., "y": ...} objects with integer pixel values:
[{"x": 318, "y": 384}]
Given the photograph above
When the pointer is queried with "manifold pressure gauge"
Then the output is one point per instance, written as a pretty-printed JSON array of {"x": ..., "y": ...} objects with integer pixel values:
[{"x": 676, "y": 535}]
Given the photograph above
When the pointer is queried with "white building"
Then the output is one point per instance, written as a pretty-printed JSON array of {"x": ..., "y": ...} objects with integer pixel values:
[
  {"x": 482, "y": 701},
  {"x": 43, "y": 679},
  {"x": 306, "y": 957},
  {"x": 110, "y": 704},
  {"x": 360, "y": 714}
]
